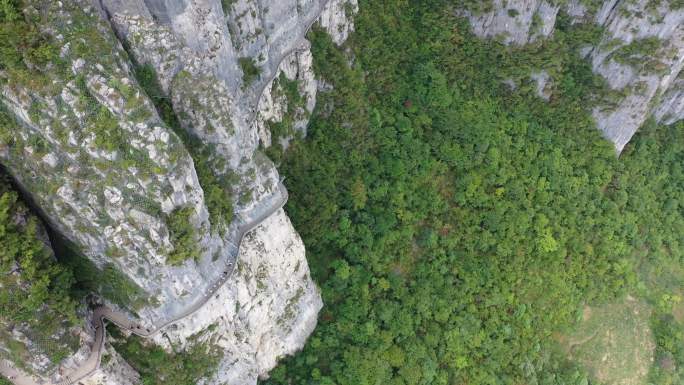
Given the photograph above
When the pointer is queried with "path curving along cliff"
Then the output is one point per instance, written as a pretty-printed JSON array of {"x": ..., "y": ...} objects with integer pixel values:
[
  {"x": 245, "y": 108},
  {"x": 102, "y": 313},
  {"x": 271, "y": 68}
]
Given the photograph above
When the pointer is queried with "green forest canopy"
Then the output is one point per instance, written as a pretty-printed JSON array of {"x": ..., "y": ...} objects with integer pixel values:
[{"x": 455, "y": 225}]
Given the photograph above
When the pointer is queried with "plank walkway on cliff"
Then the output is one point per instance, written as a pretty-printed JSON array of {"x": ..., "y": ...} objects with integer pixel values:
[{"x": 102, "y": 313}]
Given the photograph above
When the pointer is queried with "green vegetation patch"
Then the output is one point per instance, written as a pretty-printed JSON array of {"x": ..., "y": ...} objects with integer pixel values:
[
  {"x": 678, "y": 308},
  {"x": 669, "y": 361},
  {"x": 453, "y": 224},
  {"x": 614, "y": 342},
  {"x": 108, "y": 282},
  {"x": 227, "y": 5},
  {"x": 639, "y": 54},
  {"x": 183, "y": 235},
  {"x": 35, "y": 289},
  {"x": 250, "y": 72},
  {"x": 108, "y": 135},
  {"x": 288, "y": 89},
  {"x": 477, "y": 7},
  {"x": 24, "y": 47},
  {"x": 158, "y": 367},
  {"x": 654, "y": 190}
]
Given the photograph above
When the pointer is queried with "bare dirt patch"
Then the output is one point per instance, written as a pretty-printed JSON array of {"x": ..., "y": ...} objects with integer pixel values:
[{"x": 614, "y": 342}]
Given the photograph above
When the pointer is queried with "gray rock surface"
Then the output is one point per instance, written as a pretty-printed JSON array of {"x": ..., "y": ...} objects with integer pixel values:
[
  {"x": 265, "y": 311},
  {"x": 115, "y": 202},
  {"x": 275, "y": 105},
  {"x": 646, "y": 77},
  {"x": 671, "y": 107},
  {"x": 262, "y": 313},
  {"x": 515, "y": 21},
  {"x": 337, "y": 19},
  {"x": 541, "y": 80},
  {"x": 28, "y": 348},
  {"x": 645, "y": 81},
  {"x": 113, "y": 370},
  {"x": 110, "y": 190}
]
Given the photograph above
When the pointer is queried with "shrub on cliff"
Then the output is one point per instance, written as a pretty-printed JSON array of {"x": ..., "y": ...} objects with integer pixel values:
[{"x": 182, "y": 235}]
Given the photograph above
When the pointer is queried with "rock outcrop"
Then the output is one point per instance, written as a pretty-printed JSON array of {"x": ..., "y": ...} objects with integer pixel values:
[
  {"x": 100, "y": 163},
  {"x": 113, "y": 370},
  {"x": 640, "y": 55},
  {"x": 671, "y": 107},
  {"x": 143, "y": 150},
  {"x": 515, "y": 22},
  {"x": 289, "y": 99},
  {"x": 265, "y": 311},
  {"x": 32, "y": 345}
]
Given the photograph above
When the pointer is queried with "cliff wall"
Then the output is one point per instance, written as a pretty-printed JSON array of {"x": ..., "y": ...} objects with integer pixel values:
[
  {"x": 143, "y": 148},
  {"x": 640, "y": 54}
]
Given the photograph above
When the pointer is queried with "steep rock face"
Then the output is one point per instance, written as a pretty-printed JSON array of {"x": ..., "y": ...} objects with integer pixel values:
[
  {"x": 113, "y": 370},
  {"x": 289, "y": 99},
  {"x": 96, "y": 158},
  {"x": 290, "y": 96},
  {"x": 121, "y": 204},
  {"x": 337, "y": 19},
  {"x": 266, "y": 310},
  {"x": 258, "y": 57},
  {"x": 54, "y": 345},
  {"x": 541, "y": 79},
  {"x": 24, "y": 344},
  {"x": 640, "y": 54},
  {"x": 516, "y": 21},
  {"x": 671, "y": 107}
]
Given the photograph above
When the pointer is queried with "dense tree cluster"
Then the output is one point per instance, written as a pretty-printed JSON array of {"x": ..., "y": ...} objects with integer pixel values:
[
  {"x": 455, "y": 221},
  {"x": 455, "y": 224},
  {"x": 22, "y": 45},
  {"x": 182, "y": 235},
  {"x": 250, "y": 72},
  {"x": 158, "y": 367},
  {"x": 35, "y": 288}
]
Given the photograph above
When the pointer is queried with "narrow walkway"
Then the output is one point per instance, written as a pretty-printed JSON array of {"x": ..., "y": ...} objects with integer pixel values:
[
  {"x": 270, "y": 70},
  {"x": 102, "y": 313},
  {"x": 92, "y": 363}
]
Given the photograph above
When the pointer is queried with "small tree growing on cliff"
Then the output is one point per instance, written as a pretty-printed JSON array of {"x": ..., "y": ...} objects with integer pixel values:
[
  {"x": 250, "y": 72},
  {"x": 182, "y": 235}
]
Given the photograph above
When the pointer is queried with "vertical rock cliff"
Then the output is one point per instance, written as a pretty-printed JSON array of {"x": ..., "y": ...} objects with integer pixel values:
[
  {"x": 514, "y": 22},
  {"x": 640, "y": 54},
  {"x": 42, "y": 333},
  {"x": 142, "y": 146},
  {"x": 671, "y": 107}
]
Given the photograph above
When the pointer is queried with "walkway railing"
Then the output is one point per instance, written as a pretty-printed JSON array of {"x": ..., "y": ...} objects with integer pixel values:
[{"x": 102, "y": 313}]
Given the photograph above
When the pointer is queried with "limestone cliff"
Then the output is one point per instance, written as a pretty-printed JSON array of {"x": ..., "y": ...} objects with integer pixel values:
[
  {"x": 514, "y": 22},
  {"x": 49, "y": 340},
  {"x": 142, "y": 148},
  {"x": 640, "y": 54}
]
